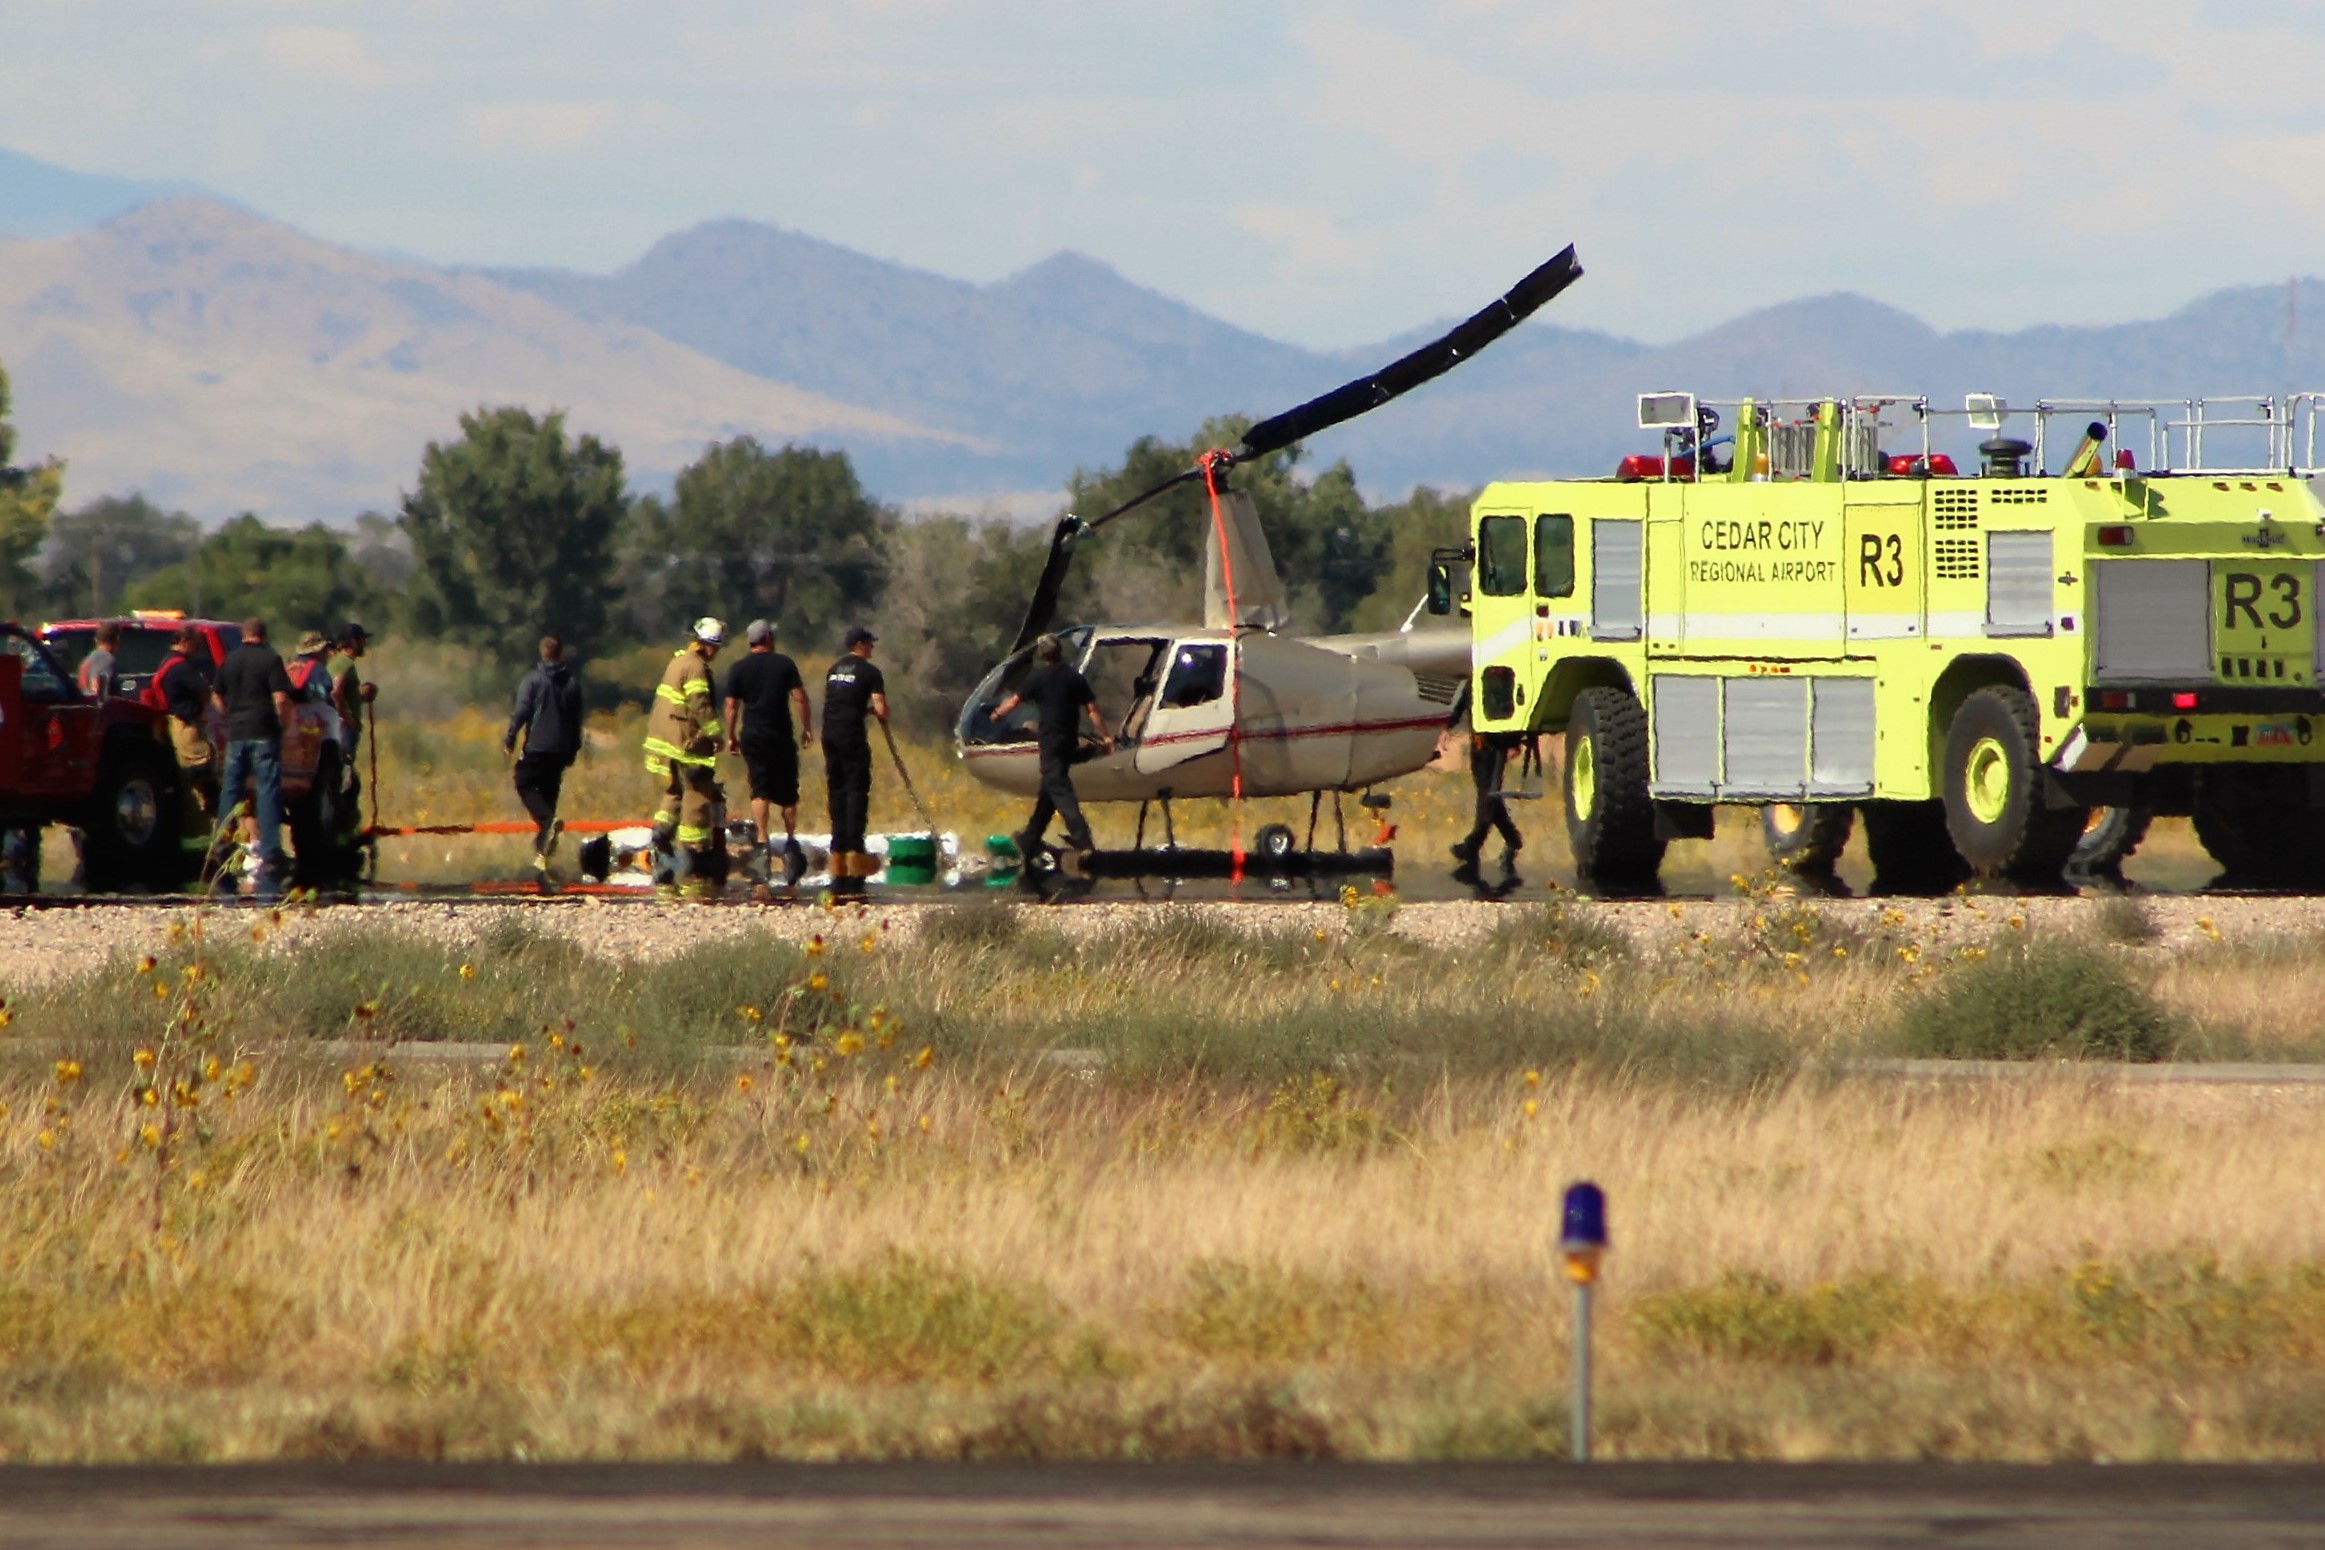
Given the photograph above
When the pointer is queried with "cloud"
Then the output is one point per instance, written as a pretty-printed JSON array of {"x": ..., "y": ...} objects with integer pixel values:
[
  {"x": 548, "y": 128},
  {"x": 330, "y": 56},
  {"x": 1308, "y": 243}
]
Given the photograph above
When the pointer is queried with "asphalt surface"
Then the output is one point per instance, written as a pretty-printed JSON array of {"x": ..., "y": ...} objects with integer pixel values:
[{"x": 1153, "y": 1506}]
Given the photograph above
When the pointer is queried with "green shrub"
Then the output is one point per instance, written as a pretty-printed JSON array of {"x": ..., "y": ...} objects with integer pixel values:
[
  {"x": 2037, "y": 999},
  {"x": 1744, "y": 1316},
  {"x": 1263, "y": 1314}
]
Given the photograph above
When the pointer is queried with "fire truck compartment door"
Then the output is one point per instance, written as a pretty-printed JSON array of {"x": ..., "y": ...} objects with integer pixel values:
[
  {"x": 1617, "y": 574},
  {"x": 2155, "y": 620},
  {"x": 1881, "y": 565}
]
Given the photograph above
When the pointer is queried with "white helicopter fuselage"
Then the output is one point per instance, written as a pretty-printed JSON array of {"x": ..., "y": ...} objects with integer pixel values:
[{"x": 1196, "y": 712}]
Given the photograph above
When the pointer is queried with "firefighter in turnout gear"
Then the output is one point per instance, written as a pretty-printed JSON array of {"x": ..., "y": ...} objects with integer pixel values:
[{"x": 683, "y": 736}]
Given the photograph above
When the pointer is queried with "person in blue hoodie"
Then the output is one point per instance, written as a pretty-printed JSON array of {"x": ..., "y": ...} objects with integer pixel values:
[{"x": 548, "y": 713}]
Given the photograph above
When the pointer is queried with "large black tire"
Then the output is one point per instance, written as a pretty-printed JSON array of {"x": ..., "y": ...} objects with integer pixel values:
[
  {"x": 1993, "y": 791},
  {"x": 1806, "y": 836},
  {"x": 1910, "y": 849},
  {"x": 2257, "y": 823},
  {"x": 2110, "y": 835},
  {"x": 1610, "y": 819},
  {"x": 129, "y": 831}
]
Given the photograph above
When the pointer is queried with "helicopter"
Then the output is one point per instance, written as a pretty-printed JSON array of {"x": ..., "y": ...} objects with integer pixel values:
[{"x": 1237, "y": 707}]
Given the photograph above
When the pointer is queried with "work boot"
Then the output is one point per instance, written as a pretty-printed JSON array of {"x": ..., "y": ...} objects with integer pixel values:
[
  {"x": 794, "y": 862},
  {"x": 1465, "y": 852},
  {"x": 1029, "y": 844}
]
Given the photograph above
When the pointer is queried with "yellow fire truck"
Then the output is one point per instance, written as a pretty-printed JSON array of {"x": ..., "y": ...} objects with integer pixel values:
[{"x": 1974, "y": 659}]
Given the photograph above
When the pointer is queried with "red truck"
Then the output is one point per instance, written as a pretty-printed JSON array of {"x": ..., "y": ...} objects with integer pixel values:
[{"x": 106, "y": 768}]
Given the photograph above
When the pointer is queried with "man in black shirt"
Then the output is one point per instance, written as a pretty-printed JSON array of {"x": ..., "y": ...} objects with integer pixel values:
[
  {"x": 254, "y": 691},
  {"x": 548, "y": 713},
  {"x": 1060, "y": 695},
  {"x": 852, "y": 690},
  {"x": 762, "y": 691}
]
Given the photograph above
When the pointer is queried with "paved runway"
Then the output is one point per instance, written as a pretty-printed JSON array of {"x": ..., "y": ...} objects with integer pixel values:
[{"x": 1148, "y": 1507}]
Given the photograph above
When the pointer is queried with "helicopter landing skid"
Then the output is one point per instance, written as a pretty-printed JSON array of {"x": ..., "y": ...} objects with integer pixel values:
[{"x": 1373, "y": 862}]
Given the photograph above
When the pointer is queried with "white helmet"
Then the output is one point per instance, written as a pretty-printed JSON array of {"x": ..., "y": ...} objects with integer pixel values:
[{"x": 710, "y": 631}]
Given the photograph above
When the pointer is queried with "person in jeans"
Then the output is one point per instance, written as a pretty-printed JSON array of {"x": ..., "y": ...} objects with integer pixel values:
[
  {"x": 254, "y": 691},
  {"x": 548, "y": 714}
]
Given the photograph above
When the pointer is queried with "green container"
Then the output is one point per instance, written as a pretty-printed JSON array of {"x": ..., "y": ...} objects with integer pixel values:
[
  {"x": 900, "y": 875},
  {"x": 912, "y": 850}
]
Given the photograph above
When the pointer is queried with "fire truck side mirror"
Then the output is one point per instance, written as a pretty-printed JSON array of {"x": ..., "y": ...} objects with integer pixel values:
[{"x": 1440, "y": 587}]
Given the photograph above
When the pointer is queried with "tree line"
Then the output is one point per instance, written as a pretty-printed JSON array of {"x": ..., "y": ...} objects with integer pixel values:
[{"x": 519, "y": 527}]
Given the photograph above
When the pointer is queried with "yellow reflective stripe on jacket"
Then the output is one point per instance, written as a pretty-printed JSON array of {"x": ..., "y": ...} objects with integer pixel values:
[
  {"x": 693, "y": 834},
  {"x": 665, "y": 692},
  {"x": 713, "y": 727}
]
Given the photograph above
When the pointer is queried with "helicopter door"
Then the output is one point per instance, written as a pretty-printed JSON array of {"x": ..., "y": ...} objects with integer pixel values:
[{"x": 1195, "y": 711}]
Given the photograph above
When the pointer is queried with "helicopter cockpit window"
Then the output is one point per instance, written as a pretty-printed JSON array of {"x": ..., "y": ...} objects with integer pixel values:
[
  {"x": 43, "y": 681},
  {"x": 1554, "y": 556},
  {"x": 1198, "y": 676},
  {"x": 1501, "y": 556}
]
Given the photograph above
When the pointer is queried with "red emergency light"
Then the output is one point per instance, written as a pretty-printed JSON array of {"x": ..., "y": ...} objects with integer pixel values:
[
  {"x": 2115, "y": 536},
  {"x": 1644, "y": 465},
  {"x": 1910, "y": 465},
  {"x": 2185, "y": 699}
]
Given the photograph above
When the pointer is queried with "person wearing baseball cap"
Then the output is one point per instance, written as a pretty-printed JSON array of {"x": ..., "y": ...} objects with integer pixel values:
[
  {"x": 762, "y": 692},
  {"x": 852, "y": 690}
]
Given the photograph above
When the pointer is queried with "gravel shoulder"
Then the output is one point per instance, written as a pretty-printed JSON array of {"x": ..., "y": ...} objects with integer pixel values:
[{"x": 38, "y": 944}]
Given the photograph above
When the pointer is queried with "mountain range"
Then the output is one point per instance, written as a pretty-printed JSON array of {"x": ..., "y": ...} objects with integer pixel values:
[{"x": 221, "y": 361}]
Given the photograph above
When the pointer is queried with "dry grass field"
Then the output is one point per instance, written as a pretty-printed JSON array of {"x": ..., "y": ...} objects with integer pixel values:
[{"x": 1176, "y": 1188}]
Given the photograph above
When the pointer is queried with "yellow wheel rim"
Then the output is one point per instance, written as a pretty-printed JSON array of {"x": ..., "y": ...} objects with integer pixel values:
[
  {"x": 1786, "y": 818},
  {"x": 1987, "y": 780},
  {"x": 1582, "y": 777}
]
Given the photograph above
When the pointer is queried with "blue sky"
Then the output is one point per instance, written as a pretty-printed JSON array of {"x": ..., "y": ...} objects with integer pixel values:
[{"x": 1327, "y": 173}]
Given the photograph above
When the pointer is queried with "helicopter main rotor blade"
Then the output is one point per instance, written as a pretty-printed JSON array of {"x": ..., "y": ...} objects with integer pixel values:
[
  {"x": 1041, "y": 612},
  {"x": 1343, "y": 403},
  {"x": 1410, "y": 371}
]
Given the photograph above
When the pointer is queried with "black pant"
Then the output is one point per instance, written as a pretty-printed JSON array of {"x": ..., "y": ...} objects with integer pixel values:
[
  {"x": 847, "y": 781},
  {"x": 1488, "y": 758},
  {"x": 1057, "y": 796},
  {"x": 540, "y": 776}
]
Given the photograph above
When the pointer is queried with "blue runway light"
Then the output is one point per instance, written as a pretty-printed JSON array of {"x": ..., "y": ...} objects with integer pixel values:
[{"x": 1586, "y": 1218}]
